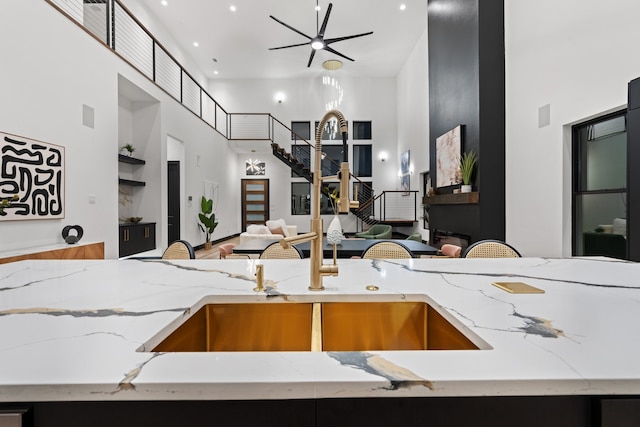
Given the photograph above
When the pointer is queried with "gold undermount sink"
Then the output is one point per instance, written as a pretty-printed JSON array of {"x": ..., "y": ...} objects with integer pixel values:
[{"x": 314, "y": 326}]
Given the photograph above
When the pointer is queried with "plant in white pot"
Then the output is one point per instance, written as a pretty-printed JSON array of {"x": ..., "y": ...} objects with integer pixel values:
[
  {"x": 208, "y": 221},
  {"x": 127, "y": 150},
  {"x": 468, "y": 162}
]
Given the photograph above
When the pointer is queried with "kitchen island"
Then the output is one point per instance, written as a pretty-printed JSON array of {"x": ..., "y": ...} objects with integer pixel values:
[{"x": 76, "y": 340}]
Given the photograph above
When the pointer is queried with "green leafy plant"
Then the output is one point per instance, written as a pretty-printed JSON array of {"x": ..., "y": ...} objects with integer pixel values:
[
  {"x": 129, "y": 148},
  {"x": 467, "y": 164},
  {"x": 207, "y": 218}
]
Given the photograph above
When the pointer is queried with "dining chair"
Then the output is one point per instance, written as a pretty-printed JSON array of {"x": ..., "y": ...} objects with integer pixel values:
[
  {"x": 226, "y": 250},
  {"x": 450, "y": 251},
  {"x": 276, "y": 251},
  {"x": 387, "y": 250},
  {"x": 180, "y": 249},
  {"x": 491, "y": 249}
]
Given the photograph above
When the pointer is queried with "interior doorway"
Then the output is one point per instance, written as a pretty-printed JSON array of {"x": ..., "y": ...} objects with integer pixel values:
[
  {"x": 255, "y": 201},
  {"x": 173, "y": 201}
]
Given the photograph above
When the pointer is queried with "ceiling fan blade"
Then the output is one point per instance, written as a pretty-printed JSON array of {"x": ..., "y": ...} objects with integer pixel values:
[
  {"x": 313, "y": 53},
  {"x": 335, "y": 52},
  {"x": 326, "y": 20},
  {"x": 339, "y": 39},
  {"x": 291, "y": 45},
  {"x": 289, "y": 27}
]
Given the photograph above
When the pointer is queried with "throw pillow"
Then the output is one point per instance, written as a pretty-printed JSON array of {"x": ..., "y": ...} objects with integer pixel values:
[
  {"x": 258, "y": 229},
  {"x": 275, "y": 224},
  {"x": 619, "y": 226},
  {"x": 278, "y": 230}
]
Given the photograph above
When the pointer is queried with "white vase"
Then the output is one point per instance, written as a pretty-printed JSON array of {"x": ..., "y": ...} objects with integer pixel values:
[
  {"x": 465, "y": 189},
  {"x": 334, "y": 232}
]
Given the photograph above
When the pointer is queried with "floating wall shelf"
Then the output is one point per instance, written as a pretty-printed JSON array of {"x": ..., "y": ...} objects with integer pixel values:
[
  {"x": 131, "y": 160},
  {"x": 131, "y": 183},
  {"x": 452, "y": 199}
]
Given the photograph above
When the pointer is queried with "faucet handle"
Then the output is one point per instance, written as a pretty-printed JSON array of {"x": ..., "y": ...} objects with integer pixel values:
[{"x": 259, "y": 278}]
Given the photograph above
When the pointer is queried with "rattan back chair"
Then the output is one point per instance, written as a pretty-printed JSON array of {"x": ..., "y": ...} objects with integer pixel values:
[
  {"x": 491, "y": 249},
  {"x": 180, "y": 249},
  {"x": 387, "y": 250},
  {"x": 276, "y": 251}
]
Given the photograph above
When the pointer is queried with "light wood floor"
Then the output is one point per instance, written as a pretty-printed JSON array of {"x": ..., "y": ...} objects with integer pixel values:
[{"x": 214, "y": 253}]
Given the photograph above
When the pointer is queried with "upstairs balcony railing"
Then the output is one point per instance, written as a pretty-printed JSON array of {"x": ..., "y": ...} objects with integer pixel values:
[{"x": 114, "y": 26}]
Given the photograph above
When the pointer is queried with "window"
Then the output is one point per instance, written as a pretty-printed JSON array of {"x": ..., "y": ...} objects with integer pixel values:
[
  {"x": 361, "y": 164},
  {"x": 300, "y": 198},
  {"x": 303, "y": 154},
  {"x": 300, "y": 130},
  {"x": 361, "y": 130},
  {"x": 326, "y": 204},
  {"x": 330, "y": 132},
  {"x": 600, "y": 187},
  {"x": 331, "y": 159}
]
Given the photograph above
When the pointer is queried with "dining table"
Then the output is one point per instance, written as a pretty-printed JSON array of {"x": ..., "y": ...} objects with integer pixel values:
[{"x": 347, "y": 248}]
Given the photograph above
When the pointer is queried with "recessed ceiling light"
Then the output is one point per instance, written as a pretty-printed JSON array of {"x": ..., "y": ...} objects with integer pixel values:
[
  {"x": 317, "y": 8},
  {"x": 232, "y": 8},
  {"x": 332, "y": 64},
  {"x": 215, "y": 72},
  {"x": 164, "y": 2},
  {"x": 196, "y": 44},
  {"x": 403, "y": 6}
]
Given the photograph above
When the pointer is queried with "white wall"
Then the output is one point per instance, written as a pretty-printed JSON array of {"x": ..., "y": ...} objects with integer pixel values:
[
  {"x": 44, "y": 83},
  {"x": 364, "y": 99},
  {"x": 413, "y": 119},
  {"x": 577, "y": 56}
]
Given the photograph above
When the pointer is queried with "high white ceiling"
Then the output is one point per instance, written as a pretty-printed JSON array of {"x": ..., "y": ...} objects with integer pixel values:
[{"x": 240, "y": 40}]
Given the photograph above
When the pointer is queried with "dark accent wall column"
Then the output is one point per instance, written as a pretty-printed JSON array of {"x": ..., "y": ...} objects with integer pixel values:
[
  {"x": 466, "y": 86},
  {"x": 633, "y": 172}
]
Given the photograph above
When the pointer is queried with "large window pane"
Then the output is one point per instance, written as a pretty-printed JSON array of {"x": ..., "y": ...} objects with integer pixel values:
[
  {"x": 361, "y": 130},
  {"x": 332, "y": 159},
  {"x": 300, "y": 198},
  {"x": 604, "y": 224},
  {"x": 303, "y": 154},
  {"x": 330, "y": 132},
  {"x": 326, "y": 205},
  {"x": 362, "y": 160},
  {"x": 301, "y": 130},
  {"x": 603, "y": 154}
]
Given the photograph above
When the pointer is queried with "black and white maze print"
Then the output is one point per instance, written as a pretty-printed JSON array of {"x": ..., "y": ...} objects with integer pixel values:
[{"x": 34, "y": 171}]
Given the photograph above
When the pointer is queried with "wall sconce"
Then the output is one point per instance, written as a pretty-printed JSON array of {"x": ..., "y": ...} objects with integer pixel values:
[
  {"x": 279, "y": 97},
  {"x": 382, "y": 156}
]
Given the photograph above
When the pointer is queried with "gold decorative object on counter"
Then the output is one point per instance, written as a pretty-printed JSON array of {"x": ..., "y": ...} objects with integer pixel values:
[
  {"x": 518, "y": 288},
  {"x": 259, "y": 278}
]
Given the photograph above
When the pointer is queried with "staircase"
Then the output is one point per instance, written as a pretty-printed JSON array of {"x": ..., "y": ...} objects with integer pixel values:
[{"x": 365, "y": 212}]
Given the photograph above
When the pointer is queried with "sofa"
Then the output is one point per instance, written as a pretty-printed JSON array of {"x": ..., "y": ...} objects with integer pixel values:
[{"x": 271, "y": 230}]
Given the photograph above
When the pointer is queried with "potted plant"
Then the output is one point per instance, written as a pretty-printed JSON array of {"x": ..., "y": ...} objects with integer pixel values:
[
  {"x": 467, "y": 164},
  {"x": 128, "y": 150},
  {"x": 208, "y": 221}
]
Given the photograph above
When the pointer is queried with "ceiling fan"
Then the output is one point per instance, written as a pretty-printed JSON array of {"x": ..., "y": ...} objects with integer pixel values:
[{"x": 318, "y": 42}]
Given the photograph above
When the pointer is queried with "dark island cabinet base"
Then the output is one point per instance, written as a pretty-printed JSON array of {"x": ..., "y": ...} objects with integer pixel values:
[{"x": 521, "y": 411}]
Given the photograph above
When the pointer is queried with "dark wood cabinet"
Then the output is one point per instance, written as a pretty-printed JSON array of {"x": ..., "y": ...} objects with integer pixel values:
[{"x": 136, "y": 238}]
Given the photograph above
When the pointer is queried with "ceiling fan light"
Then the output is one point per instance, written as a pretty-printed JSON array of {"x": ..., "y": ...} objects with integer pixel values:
[{"x": 317, "y": 44}]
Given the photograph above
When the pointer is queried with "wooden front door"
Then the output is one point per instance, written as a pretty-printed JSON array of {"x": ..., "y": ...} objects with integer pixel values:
[{"x": 255, "y": 201}]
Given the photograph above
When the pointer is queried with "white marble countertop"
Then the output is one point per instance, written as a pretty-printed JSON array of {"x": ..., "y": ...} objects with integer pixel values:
[{"x": 73, "y": 330}]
